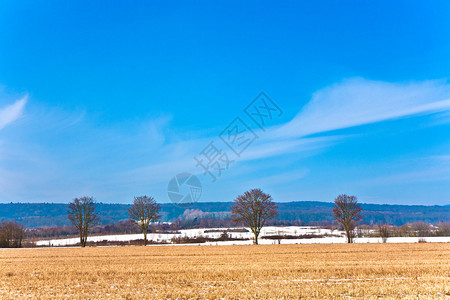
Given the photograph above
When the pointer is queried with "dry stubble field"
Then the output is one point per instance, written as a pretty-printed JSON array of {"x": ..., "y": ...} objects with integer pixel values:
[{"x": 272, "y": 271}]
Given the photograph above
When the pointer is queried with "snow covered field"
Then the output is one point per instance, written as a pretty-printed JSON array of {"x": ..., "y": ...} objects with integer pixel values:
[{"x": 266, "y": 231}]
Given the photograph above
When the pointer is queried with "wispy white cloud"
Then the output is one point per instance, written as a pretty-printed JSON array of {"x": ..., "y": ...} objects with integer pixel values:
[
  {"x": 122, "y": 159},
  {"x": 269, "y": 147},
  {"x": 355, "y": 102},
  {"x": 12, "y": 112},
  {"x": 346, "y": 104}
]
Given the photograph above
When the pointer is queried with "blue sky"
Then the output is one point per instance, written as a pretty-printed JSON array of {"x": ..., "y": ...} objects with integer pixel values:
[{"x": 112, "y": 99}]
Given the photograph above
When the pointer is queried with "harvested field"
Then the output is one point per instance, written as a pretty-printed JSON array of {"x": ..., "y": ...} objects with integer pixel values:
[{"x": 264, "y": 271}]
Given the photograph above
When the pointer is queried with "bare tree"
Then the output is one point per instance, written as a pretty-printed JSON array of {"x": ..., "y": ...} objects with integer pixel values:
[
  {"x": 11, "y": 235},
  {"x": 144, "y": 211},
  {"x": 82, "y": 215},
  {"x": 384, "y": 232},
  {"x": 405, "y": 230},
  {"x": 347, "y": 212},
  {"x": 443, "y": 229},
  {"x": 421, "y": 229},
  {"x": 253, "y": 208}
]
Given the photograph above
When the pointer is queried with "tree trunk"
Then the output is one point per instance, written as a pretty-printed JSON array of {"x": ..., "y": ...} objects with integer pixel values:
[
  {"x": 256, "y": 239},
  {"x": 349, "y": 238},
  {"x": 81, "y": 238},
  {"x": 86, "y": 228},
  {"x": 145, "y": 238}
]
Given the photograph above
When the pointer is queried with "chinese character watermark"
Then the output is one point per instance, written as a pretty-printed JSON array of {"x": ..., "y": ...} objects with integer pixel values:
[
  {"x": 213, "y": 161},
  {"x": 237, "y": 136},
  {"x": 262, "y": 110},
  {"x": 186, "y": 188}
]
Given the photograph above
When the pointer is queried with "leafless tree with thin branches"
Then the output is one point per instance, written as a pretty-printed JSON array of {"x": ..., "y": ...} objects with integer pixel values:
[
  {"x": 82, "y": 215},
  {"x": 421, "y": 229},
  {"x": 347, "y": 212},
  {"x": 253, "y": 208},
  {"x": 444, "y": 229},
  {"x": 144, "y": 211},
  {"x": 384, "y": 232},
  {"x": 11, "y": 235}
]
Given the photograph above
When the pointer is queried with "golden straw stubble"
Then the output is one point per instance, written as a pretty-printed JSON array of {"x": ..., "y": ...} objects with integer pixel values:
[{"x": 264, "y": 271}]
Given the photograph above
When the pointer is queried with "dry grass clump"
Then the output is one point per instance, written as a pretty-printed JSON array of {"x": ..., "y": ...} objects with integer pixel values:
[{"x": 269, "y": 271}]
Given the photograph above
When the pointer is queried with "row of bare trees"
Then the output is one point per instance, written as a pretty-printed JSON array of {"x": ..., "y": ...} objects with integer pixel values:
[
  {"x": 252, "y": 209},
  {"x": 82, "y": 214}
]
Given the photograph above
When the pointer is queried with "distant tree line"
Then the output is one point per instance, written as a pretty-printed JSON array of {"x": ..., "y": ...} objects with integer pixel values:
[
  {"x": 11, "y": 235},
  {"x": 417, "y": 229},
  {"x": 253, "y": 209},
  {"x": 121, "y": 227},
  {"x": 41, "y": 215}
]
